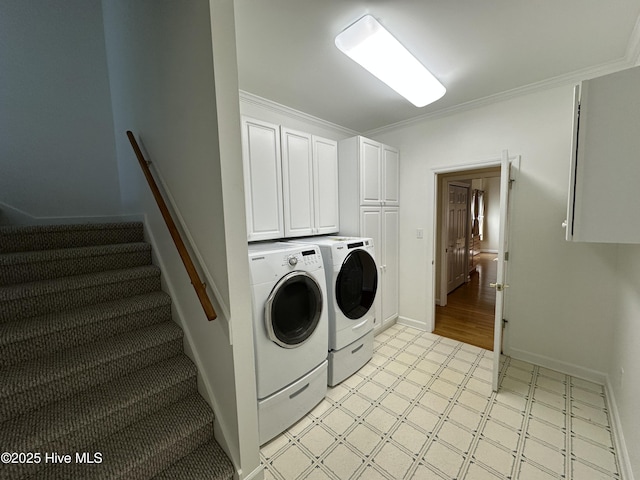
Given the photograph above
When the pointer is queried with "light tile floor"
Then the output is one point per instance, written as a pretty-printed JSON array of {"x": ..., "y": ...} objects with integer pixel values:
[{"x": 423, "y": 408}]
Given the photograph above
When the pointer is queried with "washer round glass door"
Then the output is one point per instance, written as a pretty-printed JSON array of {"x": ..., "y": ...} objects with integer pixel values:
[
  {"x": 356, "y": 284},
  {"x": 293, "y": 309}
]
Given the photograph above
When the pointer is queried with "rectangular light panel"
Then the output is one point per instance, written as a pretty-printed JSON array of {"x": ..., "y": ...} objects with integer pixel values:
[{"x": 369, "y": 44}]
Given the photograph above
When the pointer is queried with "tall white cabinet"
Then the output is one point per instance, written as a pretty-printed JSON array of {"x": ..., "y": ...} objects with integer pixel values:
[
  {"x": 291, "y": 182},
  {"x": 369, "y": 201},
  {"x": 605, "y": 167}
]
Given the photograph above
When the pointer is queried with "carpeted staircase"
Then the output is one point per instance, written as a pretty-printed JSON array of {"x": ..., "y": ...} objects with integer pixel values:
[{"x": 91, "y": 363}]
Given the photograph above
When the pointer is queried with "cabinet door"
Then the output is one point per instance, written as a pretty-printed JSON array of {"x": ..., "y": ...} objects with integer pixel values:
[
  {"x": 371, "y": 227},
  {"x": 325, "y": 176},
  {"x": 262, "y": 179},
  {"x": 297, "y": 183},
  {"x": 605, "y": 200},
  {"x": 370, "y": 170},
  {"x": 390, "y": 253},
  {"x": 390, "y": 176}
]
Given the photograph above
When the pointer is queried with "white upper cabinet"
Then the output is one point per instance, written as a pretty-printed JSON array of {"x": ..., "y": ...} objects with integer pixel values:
[
  {"x": 297, "y": 183},
  {"x": 290, "y": 180},
  {"x": 310, "y": 184},
  {"x": 370, "y": 167},
  {"x": 378, "y": 173},
  {"x": 325, "y": 185},
  {"x": 262, "y": 179},
  {"x": 605, "y": 164},
  {"x": 390, "y": 176}
]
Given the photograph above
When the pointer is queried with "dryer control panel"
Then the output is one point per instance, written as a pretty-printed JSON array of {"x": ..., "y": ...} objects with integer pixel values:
[{"x": 304, "y": 258}]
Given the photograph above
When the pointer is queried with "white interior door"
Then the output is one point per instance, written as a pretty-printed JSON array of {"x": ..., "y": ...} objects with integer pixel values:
[
  {"x": 500, "y": 285},
  {"x": 457, "y": 219}
]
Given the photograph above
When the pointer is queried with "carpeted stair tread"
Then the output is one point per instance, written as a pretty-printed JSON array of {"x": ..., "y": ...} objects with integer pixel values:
[
  {"x": 208, "y": 462},
  {"x": 83, "y": 418},
  {"x": 49, "y": 378},
  {"x": 46, "y": 237},
  {"x": 37, "y": 298},
  {"x": 21, "y": 267},
  {"x": 91, "y": 362},
  {"x": 27, "y": 338},
  {"x": 145, "y": 448}
]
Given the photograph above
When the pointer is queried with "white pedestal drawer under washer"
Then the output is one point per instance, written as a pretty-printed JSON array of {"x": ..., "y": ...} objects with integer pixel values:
[{"x": 290, "y": 326}]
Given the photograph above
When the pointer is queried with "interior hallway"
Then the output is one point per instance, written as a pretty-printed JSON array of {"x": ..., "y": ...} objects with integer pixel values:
[{"x": 469, "y": 315}]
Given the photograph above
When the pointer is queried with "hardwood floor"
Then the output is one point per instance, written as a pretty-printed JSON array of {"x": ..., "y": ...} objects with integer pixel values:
[{"x": 469, "y": 314}]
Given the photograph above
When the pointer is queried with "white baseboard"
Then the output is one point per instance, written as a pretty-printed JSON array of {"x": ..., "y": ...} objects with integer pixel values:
[
  {"x": 410, "y": 322},
  {"x": 592, "y": 376},
  {"x": 557, "y": 365},
  {"x": 14, "y": 216},
  {"x": 626, "y": 471},
  {"x": 257, "y": 474}
]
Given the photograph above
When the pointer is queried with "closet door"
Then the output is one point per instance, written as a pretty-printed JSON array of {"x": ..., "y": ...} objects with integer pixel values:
[
  {"x": 389, "y": 264},
  {"x": 371, "y": 227},
  {"x": 297, "y": 181},
  {"x": 262, "y": 179}
]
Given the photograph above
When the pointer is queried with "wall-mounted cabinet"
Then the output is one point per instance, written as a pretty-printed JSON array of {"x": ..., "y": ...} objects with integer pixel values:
[
  {"x": 369, "y": 200},
  {"x": 262, "y": 163},
  {"x": 379, "y": 170},
  {"x": 291, "y": 182},
  {"x": 605, "y": 164},
  {"x": 310, "y": 184}
]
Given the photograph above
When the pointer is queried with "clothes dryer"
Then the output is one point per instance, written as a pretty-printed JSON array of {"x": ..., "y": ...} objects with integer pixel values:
[
  {"x": 290, "y": 326},
  {"x": 352, "y": 283}
]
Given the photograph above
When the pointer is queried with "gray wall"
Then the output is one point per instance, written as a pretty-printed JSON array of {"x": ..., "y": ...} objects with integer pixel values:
[{"x": 57, "y": 151}]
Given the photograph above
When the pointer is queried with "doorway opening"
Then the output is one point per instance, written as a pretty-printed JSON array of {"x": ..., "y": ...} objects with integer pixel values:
[{"x": 468, "y": 220}]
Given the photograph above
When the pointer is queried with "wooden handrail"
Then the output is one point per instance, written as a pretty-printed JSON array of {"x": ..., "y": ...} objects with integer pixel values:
[{"x": 200, "y": 288}]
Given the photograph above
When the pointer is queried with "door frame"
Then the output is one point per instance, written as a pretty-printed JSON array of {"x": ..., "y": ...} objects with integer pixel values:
[{"x": 437, "y": 172}]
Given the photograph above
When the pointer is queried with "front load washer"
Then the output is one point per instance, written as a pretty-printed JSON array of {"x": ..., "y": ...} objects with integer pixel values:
[
  {"x": 352, "y": 283},
  {"x": 290, "y": 324}
]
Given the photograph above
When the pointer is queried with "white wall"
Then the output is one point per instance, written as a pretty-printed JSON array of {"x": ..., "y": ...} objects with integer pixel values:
[
  {"x": 57, "y": 152},
  {"x": 625, "y": 387},
  {"x": 166, "y": 88},
  {"x": 561, "y": 298}
]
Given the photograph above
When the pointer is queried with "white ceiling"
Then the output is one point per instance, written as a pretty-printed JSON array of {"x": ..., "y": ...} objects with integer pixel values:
[{"x": 476, "y": 48}]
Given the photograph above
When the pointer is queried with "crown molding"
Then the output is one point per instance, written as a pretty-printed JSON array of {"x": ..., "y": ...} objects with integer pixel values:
[
  {"x": 633, "y": 47},
  {"x": 250, "y": 98},
  {"x": 571, "y": 78}
]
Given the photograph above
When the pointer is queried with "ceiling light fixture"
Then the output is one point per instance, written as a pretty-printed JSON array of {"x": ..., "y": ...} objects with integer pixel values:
[{"x": 369, "y": 44}]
